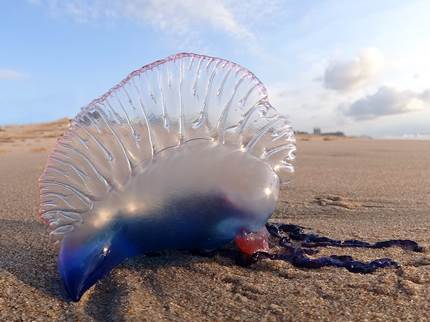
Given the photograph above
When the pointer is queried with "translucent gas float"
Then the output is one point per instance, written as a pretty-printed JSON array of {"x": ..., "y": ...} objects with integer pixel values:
[{"x": 185, "y": 153}]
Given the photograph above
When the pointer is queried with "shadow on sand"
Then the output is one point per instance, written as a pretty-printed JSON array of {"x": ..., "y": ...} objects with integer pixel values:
[{"x": 26, "y": 253}]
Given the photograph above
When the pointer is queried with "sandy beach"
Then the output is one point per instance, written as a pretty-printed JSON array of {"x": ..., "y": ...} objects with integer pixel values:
[{"x": 343, "y": 188}]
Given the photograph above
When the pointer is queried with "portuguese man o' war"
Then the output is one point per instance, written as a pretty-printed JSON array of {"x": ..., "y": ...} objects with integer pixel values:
[{"x": 185, "y": 153}]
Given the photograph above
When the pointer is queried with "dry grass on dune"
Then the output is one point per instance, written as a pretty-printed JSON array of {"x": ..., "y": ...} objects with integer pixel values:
[{"x": 16, "y": 133}]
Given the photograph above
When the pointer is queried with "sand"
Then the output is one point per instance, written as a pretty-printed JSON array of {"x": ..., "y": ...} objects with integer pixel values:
[{"x": 347, "y": 188}]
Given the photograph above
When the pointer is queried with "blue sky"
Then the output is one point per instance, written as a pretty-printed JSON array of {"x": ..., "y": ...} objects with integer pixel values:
[{"x": 361, "y": 67}]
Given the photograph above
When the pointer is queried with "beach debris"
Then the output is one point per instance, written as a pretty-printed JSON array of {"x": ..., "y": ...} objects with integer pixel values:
[
  {"x": 337, "y": 201},
  {"x": 184, "y": 153}
]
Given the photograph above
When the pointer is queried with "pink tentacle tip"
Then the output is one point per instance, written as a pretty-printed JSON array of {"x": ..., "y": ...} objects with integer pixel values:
[{"x": 252, "y": 242}]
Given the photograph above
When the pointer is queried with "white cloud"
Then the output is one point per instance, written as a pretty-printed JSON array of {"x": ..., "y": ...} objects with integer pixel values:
[
  {"x": 182, "y": 15},
  {"x": 9, "y": 74},
  {"x": 306, "y": 110},
  {"x": 234, "y": 18},
  {"x": 387, "y": 101},
  {"x": 348, "y": 75}
]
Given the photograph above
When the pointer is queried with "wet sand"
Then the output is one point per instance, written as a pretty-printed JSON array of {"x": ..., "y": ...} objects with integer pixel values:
[{"x": 347, "y": 188}]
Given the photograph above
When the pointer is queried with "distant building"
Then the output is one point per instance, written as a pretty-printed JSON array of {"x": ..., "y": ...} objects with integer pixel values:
[
  {"x": 338, "y": 133},
  {"x": 317, "y": 131}
]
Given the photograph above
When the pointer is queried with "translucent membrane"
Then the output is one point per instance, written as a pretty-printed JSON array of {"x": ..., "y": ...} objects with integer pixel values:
[{"x": 119, "y": 137}]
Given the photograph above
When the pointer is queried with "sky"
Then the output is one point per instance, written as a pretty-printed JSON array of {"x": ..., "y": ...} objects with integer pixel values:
[{"x": 362, "y": 67}]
